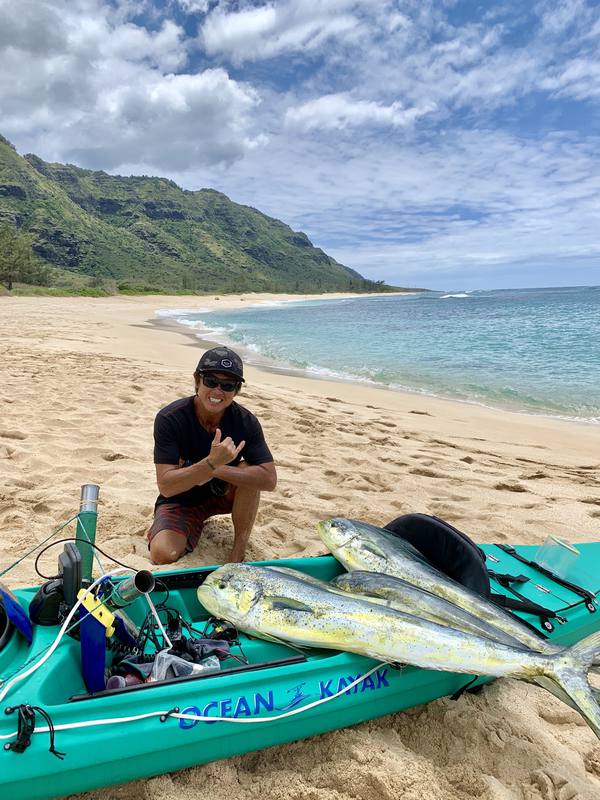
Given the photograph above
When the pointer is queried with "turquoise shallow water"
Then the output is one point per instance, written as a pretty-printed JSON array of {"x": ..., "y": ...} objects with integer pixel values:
[{"x": 535, "y": 350}]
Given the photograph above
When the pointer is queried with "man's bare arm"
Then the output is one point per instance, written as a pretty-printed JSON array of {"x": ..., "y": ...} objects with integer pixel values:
[
  {"x": 172, "y": 479},
  {"x": 262, "y": 477}
]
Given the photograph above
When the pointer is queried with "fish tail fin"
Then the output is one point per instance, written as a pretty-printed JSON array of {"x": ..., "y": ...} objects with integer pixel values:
[
  {"x": 587, "y": 651},
  {"x": 583, "y": 699},
  {"x": 569, "y": 670}
]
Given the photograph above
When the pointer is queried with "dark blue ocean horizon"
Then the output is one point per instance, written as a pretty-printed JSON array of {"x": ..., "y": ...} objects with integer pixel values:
[{"x": 533, "y": 350}]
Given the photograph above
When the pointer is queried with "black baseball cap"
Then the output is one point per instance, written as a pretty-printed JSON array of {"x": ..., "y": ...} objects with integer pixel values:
[{"x": 222, "y": 359}]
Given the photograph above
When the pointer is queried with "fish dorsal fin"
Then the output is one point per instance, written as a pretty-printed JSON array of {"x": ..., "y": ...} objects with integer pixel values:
[
  {"x": 286, "y": 571},
  {"x": 277, "y": 603}
]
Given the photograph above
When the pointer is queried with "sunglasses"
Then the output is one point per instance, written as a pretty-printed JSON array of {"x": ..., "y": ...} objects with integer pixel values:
[{"x": 226, "y": 386}]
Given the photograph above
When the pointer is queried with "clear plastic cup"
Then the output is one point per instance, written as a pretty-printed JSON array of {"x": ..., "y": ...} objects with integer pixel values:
[{"x": 558, "y": 556}]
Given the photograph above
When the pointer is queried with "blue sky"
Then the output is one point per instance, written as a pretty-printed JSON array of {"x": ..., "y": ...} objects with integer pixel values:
[{"x": 441, "y": 144}]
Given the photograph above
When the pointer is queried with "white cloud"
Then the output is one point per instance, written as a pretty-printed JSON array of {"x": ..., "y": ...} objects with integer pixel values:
[
  {"x": 131, "y": 43},
  {"x": 472, "y": 201},
  {"x": 558, "y": 17},
  {"x": 579, "y": 78},
  {"x": 194, "y": 6},
  {"x": 275, "y": 28},
  {"x": 79, "y": 82},
  {"x": 339, "y": 111},
  {"x": 338, "y": 136}
]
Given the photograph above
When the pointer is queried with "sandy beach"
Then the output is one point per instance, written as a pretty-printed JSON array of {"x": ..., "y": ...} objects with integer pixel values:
[{"x": 81, "y": 382}]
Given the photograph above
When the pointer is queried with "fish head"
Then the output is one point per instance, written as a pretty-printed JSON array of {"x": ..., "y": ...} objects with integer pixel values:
[
  {"x": 357, "y": 545},
  {"x": 231, "y": 592},
  {"x": 337, "y": 533}
]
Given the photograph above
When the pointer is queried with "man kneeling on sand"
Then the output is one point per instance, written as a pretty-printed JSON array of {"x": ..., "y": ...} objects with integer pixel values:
[{"x": 211, "y": 458}]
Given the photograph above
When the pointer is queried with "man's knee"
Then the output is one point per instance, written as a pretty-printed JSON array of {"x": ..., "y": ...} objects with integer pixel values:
[
  {"x": 245, "y": 498},
  {"x": 167, "y": 547}
]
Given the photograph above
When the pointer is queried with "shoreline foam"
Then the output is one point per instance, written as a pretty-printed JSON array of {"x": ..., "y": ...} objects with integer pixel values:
[{"x": 209, "y": 337}]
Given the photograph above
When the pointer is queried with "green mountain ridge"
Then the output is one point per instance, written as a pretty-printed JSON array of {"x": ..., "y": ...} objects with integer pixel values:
[{"x": 147, "y": 234}]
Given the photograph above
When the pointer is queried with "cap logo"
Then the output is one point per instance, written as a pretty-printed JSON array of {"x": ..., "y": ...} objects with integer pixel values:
[{"x": 225, "y": 362}]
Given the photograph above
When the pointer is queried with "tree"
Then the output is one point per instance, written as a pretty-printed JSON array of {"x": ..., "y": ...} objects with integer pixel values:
[{"x": 17, "y": 261}]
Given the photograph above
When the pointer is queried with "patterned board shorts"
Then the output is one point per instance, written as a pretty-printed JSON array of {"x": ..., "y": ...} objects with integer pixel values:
[{"x": 189, "y": 520}]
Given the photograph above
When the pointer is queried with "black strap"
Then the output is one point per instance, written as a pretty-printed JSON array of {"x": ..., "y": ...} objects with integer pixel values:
[
  {"x": 587, "y": 596},
  {"x": 505, "y": 578},
  {"x": 459, "y": 692},
  {"x": 522, "y": 603},
  {"x": 527, "y": 607}
]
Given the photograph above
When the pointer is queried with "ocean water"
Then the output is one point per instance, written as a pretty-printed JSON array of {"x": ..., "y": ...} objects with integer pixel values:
[{"x": 532, "y": 350}]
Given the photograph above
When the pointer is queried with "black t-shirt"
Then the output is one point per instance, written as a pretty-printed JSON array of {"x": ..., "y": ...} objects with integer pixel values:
[{"x": 180, "y": 439}]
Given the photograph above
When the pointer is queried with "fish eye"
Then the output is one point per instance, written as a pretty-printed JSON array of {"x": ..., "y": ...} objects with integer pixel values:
[{"x": 221, "y": 585}]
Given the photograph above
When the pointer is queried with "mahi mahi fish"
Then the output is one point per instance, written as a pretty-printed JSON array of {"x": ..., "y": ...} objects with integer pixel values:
[
  {"x": 403, "y": 596},
  {"x": 361, "y": 546},
  {"x": 429, "y": 594},
  {"x": 273, "y": 604}
]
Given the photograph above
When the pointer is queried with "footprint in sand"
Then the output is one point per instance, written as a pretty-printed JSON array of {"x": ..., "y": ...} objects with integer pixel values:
[
  {"x": 13, "y": 434},
  {"x": 22, "y": 484},
  {"x": 549, "y": 786},
  {"x": 561, "y": 715},
  {"x": 592, "y": 761},
  {"x": 277, "y": 533},
  {"x": 393, "y": 460},
  {"x": 331, "y": 473},
  {"x": 426, "y": 473},
  {"x": 442, "y": 443},
  {"x": 510, "y": 487},
  {"x": 457, "y": 498},
  {"x": 424, "y": 456},
  {"x": 281, "y": 506}
]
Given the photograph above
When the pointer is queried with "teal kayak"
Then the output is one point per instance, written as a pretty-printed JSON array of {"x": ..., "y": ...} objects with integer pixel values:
[{"x": 265, "y": 693}]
